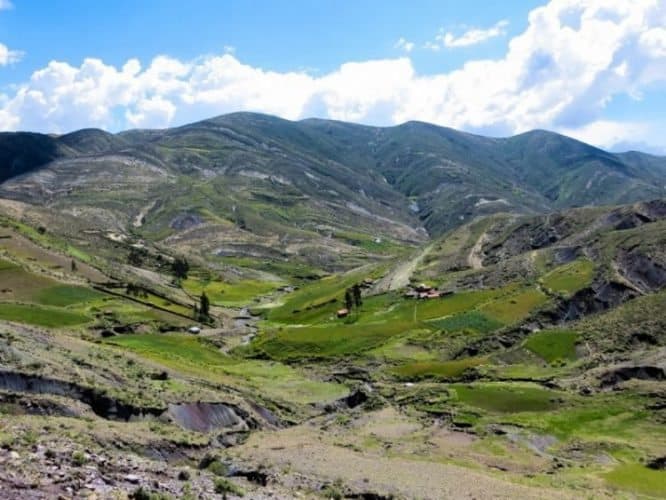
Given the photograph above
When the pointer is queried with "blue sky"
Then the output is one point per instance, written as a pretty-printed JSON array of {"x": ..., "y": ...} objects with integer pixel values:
[{"x": 594, "y": 70}]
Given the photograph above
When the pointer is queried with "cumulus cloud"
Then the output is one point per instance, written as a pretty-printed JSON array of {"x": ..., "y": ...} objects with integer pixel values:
[
  {"x": 403, "y": 44},
  {"x": 473, "y": 36},
  {"x": 560, "y": 73}
]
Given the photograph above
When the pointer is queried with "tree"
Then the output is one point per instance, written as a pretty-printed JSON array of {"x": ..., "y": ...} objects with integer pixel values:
[
  {"x": 349, "y": 301},
  {"x": 73, "y": 266},
  {"x": 180, "y": 268},
  {"x": 356, "y": 292},
  {"x": 204, "y": 306},
  {"x": 135, "y": 256}
]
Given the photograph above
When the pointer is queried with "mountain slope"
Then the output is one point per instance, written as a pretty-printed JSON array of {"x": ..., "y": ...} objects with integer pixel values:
[{"x": 318, "y": 191}]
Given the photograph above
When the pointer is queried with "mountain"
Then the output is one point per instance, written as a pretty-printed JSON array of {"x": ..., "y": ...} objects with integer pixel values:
[
  {"x": 315, "y": 191},
  {"x": 538, "y": 349}
]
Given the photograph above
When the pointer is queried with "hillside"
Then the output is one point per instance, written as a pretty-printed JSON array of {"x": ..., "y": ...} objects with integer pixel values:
[
  {"x": 322, "y": 193},
  {"x": 404, "y": 312}
]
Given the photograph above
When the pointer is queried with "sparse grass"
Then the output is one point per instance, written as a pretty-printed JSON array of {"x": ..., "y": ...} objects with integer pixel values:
[
  {"x": 553, "y": 345},
  {"x": 198, "y": 357},
  {"x": 41, "y": 316},
  {"x": 570, "y": 277}
]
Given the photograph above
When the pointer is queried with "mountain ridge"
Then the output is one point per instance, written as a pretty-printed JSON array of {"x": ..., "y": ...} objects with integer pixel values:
[{"x": 310, "y": 187}]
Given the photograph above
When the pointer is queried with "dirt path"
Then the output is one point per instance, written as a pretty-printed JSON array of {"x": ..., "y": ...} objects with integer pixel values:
[
  {"x": 399, "y": 277},
  {"x": 138, "y": 220},
  {"x": 474, "y": 259}
]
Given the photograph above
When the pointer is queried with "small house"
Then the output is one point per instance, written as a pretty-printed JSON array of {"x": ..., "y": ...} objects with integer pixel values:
[
  {"x": 343, "y": 313},
  {"x": 423, "y": 288}
]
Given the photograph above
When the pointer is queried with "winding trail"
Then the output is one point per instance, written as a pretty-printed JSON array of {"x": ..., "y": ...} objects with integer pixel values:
[
  {"x": 399, "y": 277},
  {"x": 474, "y": 259},
  {"x": 138, "y": 220}
]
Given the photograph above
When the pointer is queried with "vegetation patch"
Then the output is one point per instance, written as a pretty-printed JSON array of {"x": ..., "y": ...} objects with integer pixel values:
[
  {"x": 470, "y": 320},
  {"x": 41, "y": 316},
  {"x": 229, "y": 294},
  {"x": 65, "y": 295},
  {"x": 507, "y": 398},
  {"x": 330, "y": 340},
  {"x": 570, "y": 278},
  {"x": 639, "y": 479},
  {"x": 199, "y": 357},
  {"x": 513, "y": 308},
  {"x": 438, "y": 369},
  {"x": 553, "y": 345}
]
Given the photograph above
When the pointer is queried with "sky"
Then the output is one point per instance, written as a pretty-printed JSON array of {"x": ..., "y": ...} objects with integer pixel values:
[{"x": 591, "y": 69}]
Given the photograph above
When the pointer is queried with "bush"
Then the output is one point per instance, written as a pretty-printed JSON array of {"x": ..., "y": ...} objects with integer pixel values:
[
  {"x": 224, "y": 486},
  {"x": 79, "y": 458}
]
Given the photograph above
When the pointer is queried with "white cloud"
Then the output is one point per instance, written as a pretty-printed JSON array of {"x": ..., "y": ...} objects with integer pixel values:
[
  {"x": 405, "y": 45},
  {"x": 473, "y": 36},
  {"x": 561, "y": 73},
  {"x": 8, "y": 56},
  {"x": 6, "y": 5}
]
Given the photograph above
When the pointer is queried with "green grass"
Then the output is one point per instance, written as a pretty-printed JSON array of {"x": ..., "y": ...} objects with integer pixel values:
[
  {"x": 639, "y": 479},
  {"x": 329, "y": 340},
  {"x": 437, "y": 369},
  {"x": 230, "y": 294},
  {"x": 4, "y": 265},
  {"x": 553, "y": 345},
  {"x": 314, "y": 332},
  {"x": 471, "y": 320},
  {"x": 506, "y": 398},
  {"x": 41, "y": 316},
  {"x": 315, "y": 296},
  {"x": 65, "y": 295},
  {"x": 198, "y": 357},
  {"x": 570, "y": 278},
  {"x": 510, "y": 309}
]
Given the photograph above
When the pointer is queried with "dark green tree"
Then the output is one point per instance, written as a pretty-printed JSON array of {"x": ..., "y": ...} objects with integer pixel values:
[
  {"x": 204, "y": 306},
  {"x": 180, "y": 268},
  {"x": 356, "y": 292},
  {"x": 349, "y": 300}
]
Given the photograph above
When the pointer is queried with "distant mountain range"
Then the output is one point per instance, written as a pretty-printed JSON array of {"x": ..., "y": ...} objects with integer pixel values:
[{"x": 253, "y": 184}]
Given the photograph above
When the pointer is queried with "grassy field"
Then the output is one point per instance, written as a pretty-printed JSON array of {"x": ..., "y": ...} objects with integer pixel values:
[
  {"x": 229, "y": 294},
  {"x": 321, "y": 297},
  {"x": 553, "y": 345},
  {"x": 506, "y": 398},
  {"x": 41, "y": 316},
  {"x": 197, "y": 357},
  {"x": 639, "y": 479},
  {"x": 509, "y": 309},
  {"x": 570, "y": 278},
  {"x": 306, "y": 326},
  {"x": 467, "y": 321},
  {"x": 65, "y": 295},
  {"x": 437, "y": 369}
]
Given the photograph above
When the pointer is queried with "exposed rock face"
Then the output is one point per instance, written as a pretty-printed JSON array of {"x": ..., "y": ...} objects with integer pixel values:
[
  {"x": 103, "y": 405},
  {"x": 186, "y": 221},
  {"x": 623, "y": 374},
  {"x": 642, "y": 271},
  {"x": 206, "y": 417}
]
